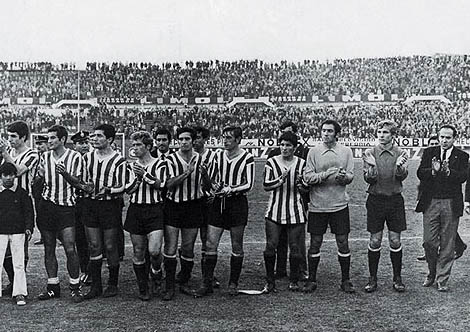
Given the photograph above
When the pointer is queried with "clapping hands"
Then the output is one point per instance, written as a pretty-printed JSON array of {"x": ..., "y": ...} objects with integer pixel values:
[
  {"x": 402, "y": 160},
  {"x": 369, "y": 158}
]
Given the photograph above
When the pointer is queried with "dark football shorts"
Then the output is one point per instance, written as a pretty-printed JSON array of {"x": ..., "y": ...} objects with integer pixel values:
[
  {"x": 54, "y": 218},
  {"x": 385, "y": 209},
  {"x": 142, "y": 219},
  {"x": 104, "y": 214},
  {"x": 229, "y": 213},
  {"x": 339, "y": 222},
  {"x": 187, "y": 214}
]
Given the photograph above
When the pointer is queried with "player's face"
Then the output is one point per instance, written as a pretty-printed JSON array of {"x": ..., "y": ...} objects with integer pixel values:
[
  {"x": 384, "y": 135},
  {"x": 15, "y": 140},
  {"x": 41, "y": 147},
  {"x": 328, "y": 133},
  {"x": 287, "y": 149},
  {"x": 162, "y": 143},
  {"x": 82, "y": 147},
  {"x": 99, "y": 140},
  {"x": 433, "y": 142},
  {"x": 185, "y": 141},
  {"x": 140, "y": 149},
  {"x": 230, "y": 142},
  {"x": 199, "y": 142},
  {"x": 446, "y": 137},
  {"x": 8, "y": 180},
  {"x": 53, "y": 141}
]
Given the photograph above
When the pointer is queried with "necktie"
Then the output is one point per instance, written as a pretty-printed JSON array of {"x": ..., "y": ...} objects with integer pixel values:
[{"x": 444, "y": 155}]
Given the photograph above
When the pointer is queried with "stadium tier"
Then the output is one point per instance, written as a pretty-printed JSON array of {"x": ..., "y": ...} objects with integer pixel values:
[{"x": 357, "y": 92}]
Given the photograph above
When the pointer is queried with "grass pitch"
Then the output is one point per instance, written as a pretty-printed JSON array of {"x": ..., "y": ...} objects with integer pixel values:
[{"x": 327, "y": 309}]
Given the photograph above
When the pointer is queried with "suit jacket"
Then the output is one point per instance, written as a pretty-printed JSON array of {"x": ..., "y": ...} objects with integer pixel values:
[{"x": 458, "y": 165}]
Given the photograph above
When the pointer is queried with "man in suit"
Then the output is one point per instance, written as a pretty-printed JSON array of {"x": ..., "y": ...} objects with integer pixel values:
[
  {"x": 442, "y": 171},
  {"x": 460, "y": 246}
]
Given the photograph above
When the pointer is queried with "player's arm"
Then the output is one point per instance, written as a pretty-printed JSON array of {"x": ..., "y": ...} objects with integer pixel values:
[
  {"x": 311, "y": 176},
  {"x": 349, "y": 176},
  {"x": 270, "y": 182},
  {"x": 156, "y": 179},
  {"x": 120, "y": 179},
  {"x": 247, "y": 185},
  {"x": 401, "y": 172},
  {"x": 369, "y": 167},
  {"x": 74, "y": 177},
  {"x": 175, "y": 180},
  {"x": 131, "y": 185},
  {"x": 20, "y": 168},
  {"x": 207, "y": 182}
]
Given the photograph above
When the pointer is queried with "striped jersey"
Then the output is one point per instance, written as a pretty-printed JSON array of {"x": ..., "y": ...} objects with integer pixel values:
[
  {"x": 285, "y": 204},
  {"x": 210, "y": 162},
  {"x": 30, "y": 159},
  {"x": 237, "y": 172},
  {"x": 56, "y": 189},
  {"x": 146, "y": 193},
  {"x": 109, "y": 171},
  {"x": 191, "y": 187}
]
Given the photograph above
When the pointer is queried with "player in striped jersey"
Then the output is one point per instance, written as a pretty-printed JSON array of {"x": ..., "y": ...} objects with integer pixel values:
[
  {"x": 106, "y": 171},
  {"x": 184, "y": 209},
  {"x": 25, "y": 160},
  {"x": 144, "y": 220},
  {"x": 301, "y": 151},
  {"x": 234, "y": 177},
  {"x": 282, "y": 177},
  {"x": 56, "y": 211},
  {"x": 208, "y": 159}
]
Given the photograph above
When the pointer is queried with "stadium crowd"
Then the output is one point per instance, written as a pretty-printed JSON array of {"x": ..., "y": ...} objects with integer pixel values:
[
  {"x": 420, "y": 119},
  {"x": 407, "y": 75}
]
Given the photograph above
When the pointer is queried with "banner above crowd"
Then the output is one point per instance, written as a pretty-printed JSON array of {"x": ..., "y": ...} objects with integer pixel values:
[{"x": 229, "y": 101}]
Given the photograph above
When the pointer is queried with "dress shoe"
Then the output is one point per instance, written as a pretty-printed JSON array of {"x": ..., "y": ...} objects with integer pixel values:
[{"x": 429, "y": 281}]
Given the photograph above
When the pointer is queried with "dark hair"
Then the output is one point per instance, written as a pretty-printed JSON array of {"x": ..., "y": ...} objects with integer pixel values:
[
  {"x": 189, "y": 130},
  {"x": 335, "y": 124},
  {"x": 288, "y": 124},
  {"x": 433, "y": 138},
  {"x": 290, "y": 137},
  {"x": 205, "y": 133},
  {"x": 108, "y": 130},
  {"x": 60, "y": 131},
  {"x": 143, "y": 136},
  {"x": 8, "y": 169},
  {"x": 236, "y": 131},
  {"x": 448, "y": 126},
  {"x": 162, "y": 131},
  {"x": 19, "y": 127}
]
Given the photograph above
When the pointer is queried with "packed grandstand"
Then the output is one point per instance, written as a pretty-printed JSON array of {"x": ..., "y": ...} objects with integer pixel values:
[{"x": 418, "y": 92}]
